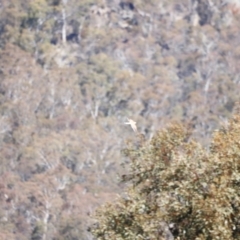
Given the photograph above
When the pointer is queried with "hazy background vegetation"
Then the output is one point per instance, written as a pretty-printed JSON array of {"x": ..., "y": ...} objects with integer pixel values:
[{"x": 71, "y": 72}]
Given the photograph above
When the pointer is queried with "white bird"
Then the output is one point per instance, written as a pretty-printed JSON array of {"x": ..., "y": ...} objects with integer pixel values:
[{"x": 132, "y": 124}]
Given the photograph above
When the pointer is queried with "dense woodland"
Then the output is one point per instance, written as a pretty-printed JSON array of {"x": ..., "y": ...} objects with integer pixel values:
[{"x": 72, "y": 72}]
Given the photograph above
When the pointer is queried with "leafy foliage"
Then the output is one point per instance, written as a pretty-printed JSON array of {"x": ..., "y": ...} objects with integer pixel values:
[{"x": 179, "y": 186}]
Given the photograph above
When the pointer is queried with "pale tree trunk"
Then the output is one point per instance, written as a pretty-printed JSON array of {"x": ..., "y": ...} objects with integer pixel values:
[
  {"x": 45, "y": 219},
  {"x": 64, "y": 26}
]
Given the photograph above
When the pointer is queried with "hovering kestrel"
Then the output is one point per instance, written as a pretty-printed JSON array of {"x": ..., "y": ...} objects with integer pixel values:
[{"x": 132, "y": 124}]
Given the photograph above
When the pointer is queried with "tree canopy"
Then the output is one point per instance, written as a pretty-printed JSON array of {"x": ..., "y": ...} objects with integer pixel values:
[{"x": 178, "y": 189}]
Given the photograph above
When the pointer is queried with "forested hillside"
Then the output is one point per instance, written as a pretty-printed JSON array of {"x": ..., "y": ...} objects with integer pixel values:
[{"x": 72, "y": 72}]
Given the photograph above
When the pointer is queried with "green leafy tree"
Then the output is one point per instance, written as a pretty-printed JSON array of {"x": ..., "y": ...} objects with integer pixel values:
[{"x": 178, "y": 189}]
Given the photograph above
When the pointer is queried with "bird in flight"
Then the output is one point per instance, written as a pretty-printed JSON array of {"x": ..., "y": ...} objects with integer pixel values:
[{"x": 132, "y": 124}]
